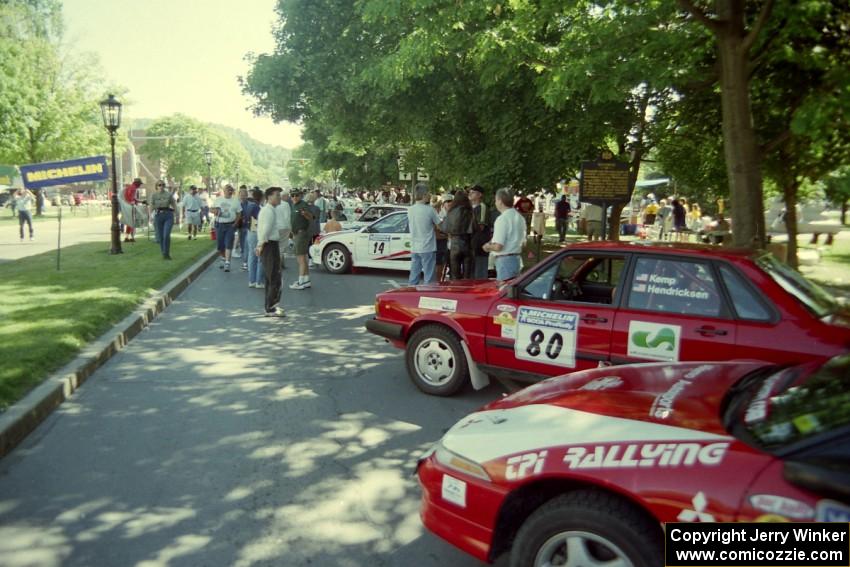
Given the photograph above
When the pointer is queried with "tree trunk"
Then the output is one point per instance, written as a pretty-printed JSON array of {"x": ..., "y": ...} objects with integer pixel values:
[
  {"x": 844, "y": 212},
  {"x": 789, "y": 190},
  {"x": 614, "y": 225},
  {"x": 743, "y": 161}
]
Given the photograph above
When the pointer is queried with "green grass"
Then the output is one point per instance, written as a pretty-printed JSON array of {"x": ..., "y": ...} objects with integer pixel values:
[
  {"x": 47, "y": 317},
  {"x": 53, "y": 212}
]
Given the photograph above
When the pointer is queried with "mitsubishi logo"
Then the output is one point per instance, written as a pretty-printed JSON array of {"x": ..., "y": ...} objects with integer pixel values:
[{"x": 698, "y": 514}]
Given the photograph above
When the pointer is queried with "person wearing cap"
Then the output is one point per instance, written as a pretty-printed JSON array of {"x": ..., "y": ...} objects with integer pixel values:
[
  {"x": 228, "y": 210},
  {"x": 192, "y": 212},
  {"x": 268, "y": 249},
  {"x": 301, "y": 222},
  {"x": 129, "y": 200},
  {"x": 508, "y": 236},
  {"x": 481, "y": 232},
  {"x": 162, "y": 202}
]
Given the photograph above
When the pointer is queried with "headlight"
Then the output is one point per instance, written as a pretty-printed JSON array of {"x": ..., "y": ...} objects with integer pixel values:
[{"x": 458, "y": 463}]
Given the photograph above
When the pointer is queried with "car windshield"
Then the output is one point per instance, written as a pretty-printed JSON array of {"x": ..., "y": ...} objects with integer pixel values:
[
  {"x": 780, "y": 407},
  {"x": 808, "y": 293}
]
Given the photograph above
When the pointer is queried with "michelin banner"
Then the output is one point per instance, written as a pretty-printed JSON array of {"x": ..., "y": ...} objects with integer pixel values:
[{"x": 36, "y": 176}]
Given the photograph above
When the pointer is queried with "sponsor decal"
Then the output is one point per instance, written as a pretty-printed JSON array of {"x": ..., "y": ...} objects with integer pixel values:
[
  {"x": 509, "y": 331},
  {"x": 506, "y": 308},
  {"x": 379, "y": 238},
  {"x": 633, "y": 455},
  {"x": 771, "y": 519},
  {"x": 504, "y": 318},
  {"x": 654, "y": 341},
  {"x": 642, "y": 277},
  {"x": 832, "y": 511},
  {"x": 438, "y": 304},
  {"x": 38, "y": 175},
  {"x": 757, "y": 410},
  {"x": 662, "y": 406},
  {"x": 522, "y": 466},
  {"x": 698, "y": 514},
  {"x": 407, "y": 244},
  {"x": 546, "y": 336},
  {"x": 454, "y": 491},
  {"x": 666, "y": 285},
  {"x": 781, "y": 506},
  {"x": 604, "y": 383}
]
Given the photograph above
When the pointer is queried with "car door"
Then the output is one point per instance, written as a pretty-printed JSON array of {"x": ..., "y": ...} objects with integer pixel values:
[
  {"x": 672, "y": 310},
  {"x": 561, "y": 318},
  {"x": 385, "y": 243}
]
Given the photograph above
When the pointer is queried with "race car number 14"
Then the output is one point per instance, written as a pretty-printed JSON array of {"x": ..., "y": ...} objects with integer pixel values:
[{"x": 546, "y": 336}]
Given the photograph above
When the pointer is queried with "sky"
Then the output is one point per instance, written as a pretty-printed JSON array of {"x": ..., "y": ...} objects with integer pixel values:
[{"x": 180, "y": 56}]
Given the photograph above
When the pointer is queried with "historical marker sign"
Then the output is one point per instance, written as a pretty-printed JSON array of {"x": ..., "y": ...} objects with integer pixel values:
[{"x": 605, "y": 181}]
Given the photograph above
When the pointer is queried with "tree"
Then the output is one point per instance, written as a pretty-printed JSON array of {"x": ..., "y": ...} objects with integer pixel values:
[
  {"x": 837, "y": 189},
  {"x": 183, "y": 144}
]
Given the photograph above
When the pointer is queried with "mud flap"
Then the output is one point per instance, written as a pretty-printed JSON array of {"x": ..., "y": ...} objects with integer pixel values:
[{"x": 479, "y": 379}]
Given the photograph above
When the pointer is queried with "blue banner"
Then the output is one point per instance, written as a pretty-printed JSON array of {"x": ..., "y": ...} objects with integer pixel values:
[{"x": 38, "y": 175}]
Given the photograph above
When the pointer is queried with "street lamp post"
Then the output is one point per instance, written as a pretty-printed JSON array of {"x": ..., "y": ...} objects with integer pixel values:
[
  {"x": 208, "y": 155},
  {"x": 110, "y": 108}
]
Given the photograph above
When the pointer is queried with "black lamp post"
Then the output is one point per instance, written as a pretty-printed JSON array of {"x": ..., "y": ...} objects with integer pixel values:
[
  {"x": 208, "y": 157},
  {"x": 111, "y": 110}
]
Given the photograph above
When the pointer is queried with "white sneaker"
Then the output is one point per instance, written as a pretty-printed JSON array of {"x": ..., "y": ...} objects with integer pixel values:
[
  {"x": 227, "y": 266},
  {"x": 260, "y": 286},
  {"x": 306, "y": 284},
  {"x": 251, "y": 284},
  {"x": 296, "y": 285},
  {"x": 278, "y": 312},
  {"x": 236, "y": 254}
]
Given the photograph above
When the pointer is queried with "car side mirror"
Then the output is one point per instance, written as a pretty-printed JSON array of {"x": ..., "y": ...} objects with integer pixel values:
[{"x": 821, "y": 478}]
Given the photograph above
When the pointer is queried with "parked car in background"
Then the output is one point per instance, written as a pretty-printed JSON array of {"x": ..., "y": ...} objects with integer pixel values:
[
  {"x": 384, "y": 243},
  {"x": 586, "y": 468},
  {"x": 605, "y": 303},
  {"x": 371, "y": 214}
]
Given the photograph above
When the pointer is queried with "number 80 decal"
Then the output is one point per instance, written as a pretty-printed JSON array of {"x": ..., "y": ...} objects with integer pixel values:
[{"x": 546, "y": 336}]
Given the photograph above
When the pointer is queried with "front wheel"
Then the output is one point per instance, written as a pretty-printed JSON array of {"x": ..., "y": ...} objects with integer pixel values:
[
  {"x": 588, "y": 528},
  {"x": 337, "y": 259},
  {"x": 435, "y": 361}
]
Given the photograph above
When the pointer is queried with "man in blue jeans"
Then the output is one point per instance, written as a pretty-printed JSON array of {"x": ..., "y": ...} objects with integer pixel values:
[
  {"x": 508, "y": 237},
  {"x": 422, "y": 220},
  {"x": 162, "y": 202}
]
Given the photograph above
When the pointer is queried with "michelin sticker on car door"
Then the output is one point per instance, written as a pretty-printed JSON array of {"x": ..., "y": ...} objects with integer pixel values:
[
  {"x": 546, "y": 336},
  {"x": 654, "y": 341}
]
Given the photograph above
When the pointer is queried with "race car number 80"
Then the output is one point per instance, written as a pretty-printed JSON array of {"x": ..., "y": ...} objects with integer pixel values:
[{"x": 546, "y": 336}]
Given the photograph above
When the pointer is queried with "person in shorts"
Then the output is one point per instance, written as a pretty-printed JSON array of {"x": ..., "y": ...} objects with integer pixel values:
[
  {"x": 192, "y": 212},
  {"x": 228, "y": 210},
  {"x": 301, "y": 222}
]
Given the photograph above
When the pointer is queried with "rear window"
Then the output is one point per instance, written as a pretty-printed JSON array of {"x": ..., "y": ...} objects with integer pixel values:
[
  {"x": 785, "y": 409},
  {"x": 806, "y": 292}
]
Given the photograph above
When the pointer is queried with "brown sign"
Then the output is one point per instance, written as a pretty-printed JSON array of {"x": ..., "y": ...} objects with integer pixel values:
[{"x": 605, "y": 181}]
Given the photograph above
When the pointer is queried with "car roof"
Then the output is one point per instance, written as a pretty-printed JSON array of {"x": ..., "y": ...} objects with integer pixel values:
[{"x": 667, "y": 248}]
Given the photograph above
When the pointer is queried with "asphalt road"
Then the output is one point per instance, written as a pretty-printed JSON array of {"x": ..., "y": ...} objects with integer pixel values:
[{"x": 219, "y": 437}]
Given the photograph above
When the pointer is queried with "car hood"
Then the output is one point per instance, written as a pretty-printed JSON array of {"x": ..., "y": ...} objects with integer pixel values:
[
  {"x": 635, "y": 403},
  {"x": 455, "y": 286}
]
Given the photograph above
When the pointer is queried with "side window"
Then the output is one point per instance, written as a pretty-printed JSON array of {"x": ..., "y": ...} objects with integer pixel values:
[
  {"x": 395, "y": 224},
  {"x": 674, "y": 286},
  {"x": 748, "y": 304},
  {"x": 588, "y": 279},
  {"x": 541, "y": 286},
  {"x": 371, "y": 214}
]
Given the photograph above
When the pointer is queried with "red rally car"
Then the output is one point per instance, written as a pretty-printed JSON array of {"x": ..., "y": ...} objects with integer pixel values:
[
  {"x": 602, "y": 303},
  {"x": 584, "y": 469}
]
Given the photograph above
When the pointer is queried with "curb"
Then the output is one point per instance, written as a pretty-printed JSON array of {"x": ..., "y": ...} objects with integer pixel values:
[{"x": 25, "y": 415}]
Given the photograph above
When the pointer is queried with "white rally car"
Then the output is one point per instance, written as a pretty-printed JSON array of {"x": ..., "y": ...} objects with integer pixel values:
[
  {"x": 384, "y": 243},
  {"x": 371, "y": 214}
]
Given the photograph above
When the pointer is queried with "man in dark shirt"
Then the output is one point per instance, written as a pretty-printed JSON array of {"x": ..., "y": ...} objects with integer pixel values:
[
  {"x": 162, "y": 202},
  {"x": 301, "y": 221},
  {"x": 562, "y": 216}
]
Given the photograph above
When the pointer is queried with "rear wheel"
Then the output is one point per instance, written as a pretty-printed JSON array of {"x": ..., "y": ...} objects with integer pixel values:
[
  {"x": 337, "y": 259},
  {"x": 588, "y": 528},
  {"x": 435, "y": 361}
]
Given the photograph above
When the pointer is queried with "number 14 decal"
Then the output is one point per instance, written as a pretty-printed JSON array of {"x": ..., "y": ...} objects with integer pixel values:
[{"x": 378, "y": 248}]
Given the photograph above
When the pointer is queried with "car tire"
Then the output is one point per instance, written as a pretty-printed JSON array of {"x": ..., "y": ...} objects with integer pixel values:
[
  {"x": 336, "y": 259},
  {"x": 597, "y": 527},
  {"x": 436, "y": 362}
]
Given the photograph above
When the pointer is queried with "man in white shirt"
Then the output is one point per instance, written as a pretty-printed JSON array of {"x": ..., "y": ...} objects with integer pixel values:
[
  {"x": 284, "y": 224},
  {"x": 422, "y": 218},
  {"x": 508, "y": 236},
  {"x": 23, "y": 202},
  {"x": 593, "y": 217},
  {"x": 268, "y": 249},
  {"x": 227, "y": 209},
  {"x": 322, "y": 203},
  {"x": 192, "y": 204}
]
